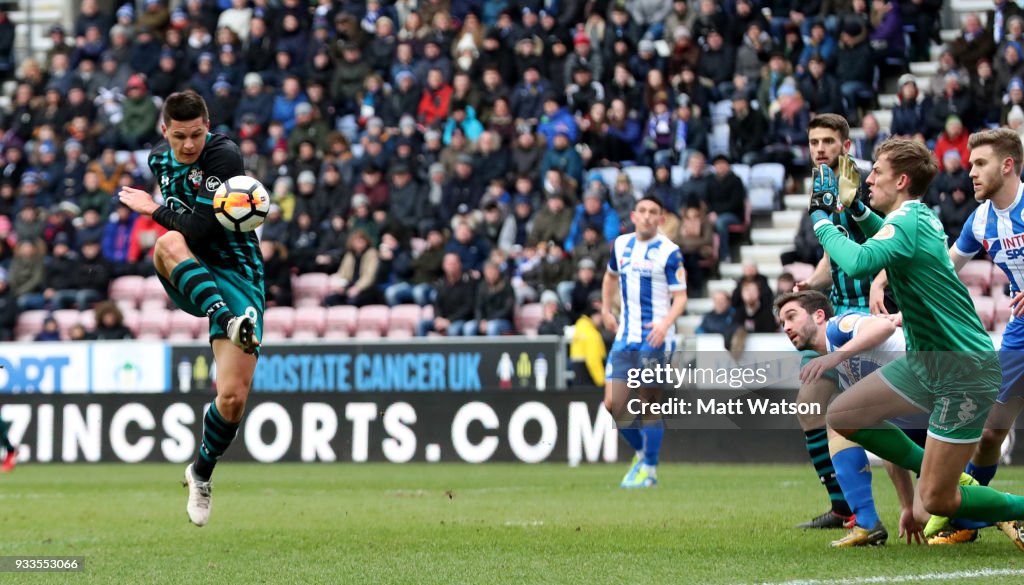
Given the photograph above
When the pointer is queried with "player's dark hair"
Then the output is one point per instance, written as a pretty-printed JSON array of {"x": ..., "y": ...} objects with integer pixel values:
[
  {"x": 184, "y": 106},
  {"x": 913, "y": 159},
  {"x": 831, "y": 122},
  {"x": 1004, "y": 142},
  {"x": 812, "y": 301},
  {"x": 653, "y": 199}
]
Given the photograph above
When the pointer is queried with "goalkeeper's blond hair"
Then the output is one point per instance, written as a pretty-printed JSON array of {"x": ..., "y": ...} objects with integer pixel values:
[
  {"x": 1004, "y": 142},
  {"x": 913, "y": 159}
]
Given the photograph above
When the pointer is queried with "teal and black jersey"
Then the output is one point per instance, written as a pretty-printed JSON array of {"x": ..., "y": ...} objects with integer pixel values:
[
  {"x": 188, "y": 196},
  {"x": 848, "y": 291}
]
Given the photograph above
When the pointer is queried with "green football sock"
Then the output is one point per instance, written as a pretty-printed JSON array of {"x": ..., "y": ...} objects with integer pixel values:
[
  {"x": 891, "y": 444},
  {"x": 979, "y": 502}
]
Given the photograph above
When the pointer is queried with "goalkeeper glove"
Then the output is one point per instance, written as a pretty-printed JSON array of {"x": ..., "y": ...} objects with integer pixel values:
[
  {"x": 825, "y": 187},
  {"x": 849, "y": 181}
]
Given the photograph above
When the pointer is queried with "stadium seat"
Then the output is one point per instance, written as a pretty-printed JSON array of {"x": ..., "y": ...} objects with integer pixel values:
[
  {"x": 304, "y": 334},
  {"x": 341, "y": 318},
  {"x": 309, "y": 320},
  {"x": 711, "y": 262},
  {"x": 999, "y": 279},
  {"x": 153, "y": 289},
  {"x": 131, "y": 320},
  {"x": 66, "y": 319},
  {"x": 799, "y": 270},
  {"x": 743, "y": 172},
  {"x": 742, "y": 228},
  {"x": 373, "y": 318},
  {"x": 405, "y": 317},
  {"x": 152, "y": 304},
  {"x": 428, "y": 312},
  {"x": 279, "y": 320},
  {"x": 126, "y": 305},
  {"x": 985, "y": 308},
  {"x": 762, "y": 199},
  {"x": 768, "y": 174},
  {"x": 368, "y": 334},
  {"x": 1001, "y": 302},
  {"x": 399, "y": 334},
  {"x": 273, "y": 335},
  {"x": 721, "y": 111},
  {"x": 127, "y": 288},
  {"x": 977, "y": 273},
  {"x": 529, "y": 317},
  {"x": 608, "y": 175},
  {"x": 186, "y": 323},
  {"x": 87, "y": 319},
  {"x": 679, "y": 175},
  {"x": 640, "y": 176},
  {"x": 975, "y": 291},
  {"x": 312, "y": 285},
  {"x": 179, "y": 335},
  {"x": 150, "y": 336},
  {"x": 156, "y": 321},
  {"x": 29, "y": 323}
]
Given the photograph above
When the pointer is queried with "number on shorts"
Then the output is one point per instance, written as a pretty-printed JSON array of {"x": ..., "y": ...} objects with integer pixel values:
[{"x": 945, "y": 409}]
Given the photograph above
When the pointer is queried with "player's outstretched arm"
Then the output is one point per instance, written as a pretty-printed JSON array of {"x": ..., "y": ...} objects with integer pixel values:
[
  {"x": 195, "y": 225},
  {"x": 821, "y": 278},
  {"x": 910, "y": 528},
  {"x": 864, "y": 260}
]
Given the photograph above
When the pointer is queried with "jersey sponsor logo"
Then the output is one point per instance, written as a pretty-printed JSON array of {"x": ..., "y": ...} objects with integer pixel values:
[
  {"x": 886, "y": 233},
  {"x": 212, "y": 184},
  {"x": 195, "y": 178},
  {"x": 644, "y": 267},
  {"x": 847, "y": 323}
]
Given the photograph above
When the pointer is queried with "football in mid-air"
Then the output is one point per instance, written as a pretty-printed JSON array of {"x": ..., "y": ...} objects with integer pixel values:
[{"x": 241, "y": 203}]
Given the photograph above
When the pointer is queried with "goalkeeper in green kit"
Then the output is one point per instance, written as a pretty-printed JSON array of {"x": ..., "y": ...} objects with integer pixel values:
[{"x": 951, "y": 369}]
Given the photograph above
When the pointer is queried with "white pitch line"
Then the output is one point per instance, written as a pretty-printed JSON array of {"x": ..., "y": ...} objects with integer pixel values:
[{"x": 905, "y": 578}]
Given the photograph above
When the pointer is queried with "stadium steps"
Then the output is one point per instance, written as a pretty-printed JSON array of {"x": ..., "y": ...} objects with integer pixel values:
[
  {"x": 687, "y": 324},
  {"x": 725, "y": 285},
  {"x": 765, "y": 253},
  {"x": 787, "y": 219},
  {"x": 887, "y": 100},
  {"x": 734, "y": 270},
  {"x": 772, "y": 236},
  {"x": 948, "y": 35},
  {"x": 699, "y": 306},
  {"x": 978, "y": 6},
  {"x": 922, "y": 68},
  {"x": 798, "y": 202}
]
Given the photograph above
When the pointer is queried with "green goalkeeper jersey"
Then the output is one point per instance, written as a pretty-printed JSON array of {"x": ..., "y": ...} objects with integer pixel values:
[{"x": 910, "y": 244}]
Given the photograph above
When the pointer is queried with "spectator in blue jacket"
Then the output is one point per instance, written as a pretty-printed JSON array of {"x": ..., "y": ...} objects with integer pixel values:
[
  {"x": 562, "y": 156},
  {"x": 910, "y": 115},
  {"x": 284, "y": 104},
  {"x": 117, "y": 238},
  {"x": 555, "y": 117},
  {"x": 593, "y": 212},
  {"x": 472, "y": 249}
]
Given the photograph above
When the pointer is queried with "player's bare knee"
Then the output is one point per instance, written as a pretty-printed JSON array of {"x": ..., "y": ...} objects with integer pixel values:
[
  {"x": 231, "y": 402},
  {"x": 171, "y": 247},
  {"x": 810, "y": 422},
  {"x": 992, "y": 440}
]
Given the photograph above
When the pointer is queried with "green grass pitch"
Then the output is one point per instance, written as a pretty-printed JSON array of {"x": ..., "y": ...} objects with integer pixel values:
[{"x": 448, "y": 523}]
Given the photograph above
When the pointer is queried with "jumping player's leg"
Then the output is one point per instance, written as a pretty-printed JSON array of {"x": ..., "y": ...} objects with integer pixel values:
[
  {"x": 1000, "y": 420},
  {"x": 189, "y": 277},
  {"x": 860, "y": 412},
  {"x": 235, "y": 370},
  {"x": 816, "y": 441},
  {"x": 942, "y": 494}
]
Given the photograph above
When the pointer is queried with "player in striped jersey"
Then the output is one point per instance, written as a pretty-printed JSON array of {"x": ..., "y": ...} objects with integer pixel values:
[
  {"x": 950, "y": 370},
  {"x": 828, "y": 136},
  {"x": 646, "y": 268},
  {"x": 206, "y": 270},
  {"x": 852, "y": 345},
  {"x": 996, "y": 226}
]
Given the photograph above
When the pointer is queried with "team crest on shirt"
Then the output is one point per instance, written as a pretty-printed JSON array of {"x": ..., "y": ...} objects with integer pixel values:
[
  {"x": 195, "y": 177},
  {"x": 847, "y": 323},
  {"x": 643, "y": 267}
]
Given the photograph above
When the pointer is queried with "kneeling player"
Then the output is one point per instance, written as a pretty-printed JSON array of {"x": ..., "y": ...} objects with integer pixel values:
[
  {"x": 852, "y": 345},
  {"x": 647, "y": 269}
]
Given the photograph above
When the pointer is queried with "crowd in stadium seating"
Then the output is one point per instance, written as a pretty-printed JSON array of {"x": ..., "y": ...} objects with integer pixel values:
[{"x": 467, "y": 142}]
